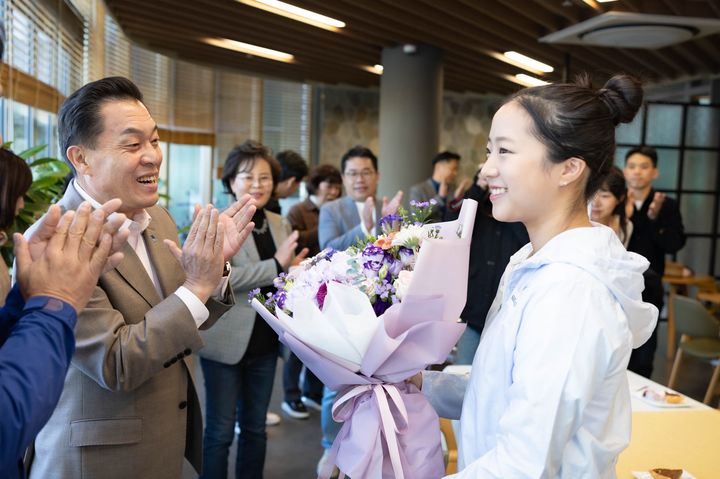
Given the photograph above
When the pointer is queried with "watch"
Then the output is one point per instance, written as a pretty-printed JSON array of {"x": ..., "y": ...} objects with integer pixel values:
[{"x": 226, "y": 269}]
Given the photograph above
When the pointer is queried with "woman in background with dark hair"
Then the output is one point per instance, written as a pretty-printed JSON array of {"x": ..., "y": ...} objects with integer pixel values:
[
  {"x": 609, "y": 208},
  {"x": 323, "y": 184},
  {"x": 15, "y": 181},
  {"x": 548, "y": 394},
  {"x": 241, "y": 350},
  {"x": 608, "y": 205}
]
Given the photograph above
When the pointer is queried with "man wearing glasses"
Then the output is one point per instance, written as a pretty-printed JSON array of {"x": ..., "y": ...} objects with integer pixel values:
[
  {"x": 353, "y": 217},
  {"x": 342, "y": 223}
]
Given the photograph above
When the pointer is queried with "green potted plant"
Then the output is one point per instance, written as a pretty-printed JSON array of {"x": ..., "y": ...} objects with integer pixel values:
[{"x": 47, "y": 187}]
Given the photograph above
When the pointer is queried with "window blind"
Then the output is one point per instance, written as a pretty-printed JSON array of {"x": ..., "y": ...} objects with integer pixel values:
[{"x": 286, "y": 116}]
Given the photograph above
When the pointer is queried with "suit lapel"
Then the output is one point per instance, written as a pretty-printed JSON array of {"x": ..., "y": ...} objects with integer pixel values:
[
  {"x": 167, "y": 268},
  {"x": 133, "y": 271}
]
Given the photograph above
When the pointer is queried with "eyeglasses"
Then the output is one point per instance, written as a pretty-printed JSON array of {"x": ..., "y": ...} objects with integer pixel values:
[
  {"x": 364, "y": 174},
  {"x": 250, "y": 180}
]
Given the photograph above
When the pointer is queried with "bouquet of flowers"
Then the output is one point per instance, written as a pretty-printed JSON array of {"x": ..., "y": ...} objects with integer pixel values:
[{"x": 365, "y": 319}]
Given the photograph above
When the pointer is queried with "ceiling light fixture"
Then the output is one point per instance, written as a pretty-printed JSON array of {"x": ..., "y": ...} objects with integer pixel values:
[
  {"x": 605, "y": 1},
  {"x": 525, "y": 80},
  {"x": 296, "y": 13},
  {"x": 376, "y": 69},
  {"x": 528, "y": 63},
  {"x": 250, "y": 49}
]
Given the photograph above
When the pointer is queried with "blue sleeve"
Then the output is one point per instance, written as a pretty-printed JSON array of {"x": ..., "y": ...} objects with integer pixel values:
[
  {"x": 331, "y": 233},
  {"x": 9, "y": 314},
  {"x": 33, "y": 364}
]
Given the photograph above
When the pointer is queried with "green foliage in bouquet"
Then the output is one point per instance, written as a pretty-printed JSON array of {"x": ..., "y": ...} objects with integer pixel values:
[{"x": 47, "y": 187}]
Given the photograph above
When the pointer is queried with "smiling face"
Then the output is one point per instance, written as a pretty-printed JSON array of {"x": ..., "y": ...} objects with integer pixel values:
[
  {"x": 360, "y": 178},
  {"x": 522, "y": 182},
  {"x": 125, "y": 162},
  {"x": 254, "y": 177}
]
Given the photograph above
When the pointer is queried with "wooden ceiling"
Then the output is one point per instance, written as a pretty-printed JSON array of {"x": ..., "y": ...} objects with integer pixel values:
[{"x": 467, "y": 30}]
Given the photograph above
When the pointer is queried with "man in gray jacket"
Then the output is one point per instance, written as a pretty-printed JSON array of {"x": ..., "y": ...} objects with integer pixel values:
[{"x": 129, "y": 407}]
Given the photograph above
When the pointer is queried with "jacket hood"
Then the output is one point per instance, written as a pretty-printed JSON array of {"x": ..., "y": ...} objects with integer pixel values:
[{"x": 598, "y": 251}]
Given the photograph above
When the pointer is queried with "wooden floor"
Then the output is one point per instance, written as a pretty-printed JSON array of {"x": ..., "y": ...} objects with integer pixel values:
[{"x": 294, "y": 445}]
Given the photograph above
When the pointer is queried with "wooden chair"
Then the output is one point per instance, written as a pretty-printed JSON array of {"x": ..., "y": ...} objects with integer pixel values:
[
  {"x": 451, "y": 452},
  {"x": 700, "y": 337}
]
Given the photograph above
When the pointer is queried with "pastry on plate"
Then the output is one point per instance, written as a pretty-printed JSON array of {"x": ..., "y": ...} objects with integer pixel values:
[{"x": 660, "y": 473}]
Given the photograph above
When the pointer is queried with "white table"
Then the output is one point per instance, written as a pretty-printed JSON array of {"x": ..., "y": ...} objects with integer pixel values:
[{"x": 635, "y": 381}]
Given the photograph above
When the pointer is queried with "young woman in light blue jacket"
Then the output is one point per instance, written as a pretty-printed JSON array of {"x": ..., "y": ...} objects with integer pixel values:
[{"x": 548, "y": 395}]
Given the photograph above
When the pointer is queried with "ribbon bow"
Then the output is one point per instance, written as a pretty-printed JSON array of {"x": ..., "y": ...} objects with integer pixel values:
[{"x": 390, "y": 405}]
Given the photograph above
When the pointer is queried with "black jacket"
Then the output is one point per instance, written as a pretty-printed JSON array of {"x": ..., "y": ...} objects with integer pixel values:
[
  {"x": 656, "y": 238},
  {"x": 493, "y": 243}
]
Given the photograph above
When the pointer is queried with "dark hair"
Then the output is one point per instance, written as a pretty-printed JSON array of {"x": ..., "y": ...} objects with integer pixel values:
[
  {"x": 321, "y": 173},
  {"x": 79, "y": 121},
  {"x": 15, "y": 181},
  {"x": 242, "y": 158},
  {"x": 614, "y": 183},
  {"x": 292, "y": 165},
  {"x": 574, "y": 120},
  {"x": 358, "y": 152},
  {"x": 648, "y": 151},
  {"x": 445, "y": 156}
]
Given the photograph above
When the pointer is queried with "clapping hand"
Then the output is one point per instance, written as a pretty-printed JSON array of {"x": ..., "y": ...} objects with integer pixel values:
[
  {"x": 67, "y": 259},
  {"x": 656, "y": 205},
  {"x": 201, "y": 256},
  {"x": 48, "y": 224},
  {"x": 237, "y": 220},
  {"x": 391, "y": 207},
  {"x": 286, "y": 251}
]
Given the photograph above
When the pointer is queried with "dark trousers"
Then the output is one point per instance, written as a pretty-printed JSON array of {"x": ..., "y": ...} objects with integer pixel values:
[
  {"x": 237, "y": 393},
  {"x": 641, "y": 359},
  {"x": 312, "y": 387}
]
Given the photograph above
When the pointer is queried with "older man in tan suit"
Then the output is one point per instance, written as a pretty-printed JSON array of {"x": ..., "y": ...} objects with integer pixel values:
[{"x": 129, "y": 408}]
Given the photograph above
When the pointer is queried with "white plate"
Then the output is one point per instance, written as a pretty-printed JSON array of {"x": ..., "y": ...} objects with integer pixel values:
[
  {"x": 662, "y": 404},
  {"x": 646, "y": 475}
]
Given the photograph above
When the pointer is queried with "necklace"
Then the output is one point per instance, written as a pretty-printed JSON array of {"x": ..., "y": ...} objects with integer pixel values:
[{"x": 261, "y": 230}]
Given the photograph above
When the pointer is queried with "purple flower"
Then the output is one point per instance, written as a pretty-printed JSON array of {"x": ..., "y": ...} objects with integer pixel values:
[
  {"x": 321, "y": 294},
  {"x": 380, "y": 307},
  {"x": 280, "y": 299},
  {"x": 433, "y": 201},
  {"x": 372, "y": 250},
  {"x": 280, "y": 281},
  {"x": 252, "y": 293}
]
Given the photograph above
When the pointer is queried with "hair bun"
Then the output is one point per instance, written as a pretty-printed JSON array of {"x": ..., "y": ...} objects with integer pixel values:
[{"x": 623, "y": 96}]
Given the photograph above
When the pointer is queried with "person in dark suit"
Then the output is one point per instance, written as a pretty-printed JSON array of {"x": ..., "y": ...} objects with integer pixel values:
[
  {"x": 441, "y": 185},
  {"x": 657, "y": 224},
  {"x": 657, "y": 231}
]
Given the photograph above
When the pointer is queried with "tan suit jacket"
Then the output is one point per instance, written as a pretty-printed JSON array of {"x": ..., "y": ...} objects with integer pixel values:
[
  {"x": 129, "y": 409},
  {"x": 227, "y": 341}
]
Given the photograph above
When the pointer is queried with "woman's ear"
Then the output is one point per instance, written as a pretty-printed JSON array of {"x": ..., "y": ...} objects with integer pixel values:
[{"x": 572, "y": 170}]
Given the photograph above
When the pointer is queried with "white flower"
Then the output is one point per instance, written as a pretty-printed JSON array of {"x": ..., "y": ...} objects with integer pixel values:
[
  {"x": 410, "y": 236},
  {"x": 402, "y": 283}
]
